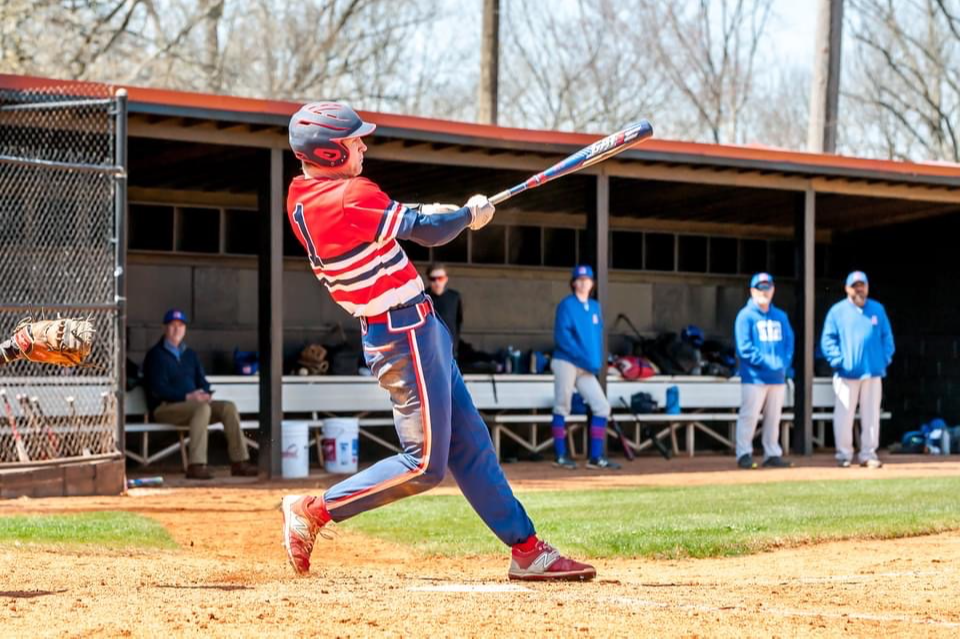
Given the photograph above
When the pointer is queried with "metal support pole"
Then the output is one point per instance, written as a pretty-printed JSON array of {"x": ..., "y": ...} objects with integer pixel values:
[
  {"x": 603, "y": 264},
  {"x": 270, "y": 315},
  {"x": 120, "y": 270},
  {"x": 805, "y": 240}
]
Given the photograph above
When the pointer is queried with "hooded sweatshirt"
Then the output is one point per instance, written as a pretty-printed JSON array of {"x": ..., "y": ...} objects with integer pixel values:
[{"x": 764, "y": 344}]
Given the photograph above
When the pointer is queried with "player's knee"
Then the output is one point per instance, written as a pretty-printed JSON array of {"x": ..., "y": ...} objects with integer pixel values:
[
  {"x": 202, "y": 410},
  {"x": 601, "y": 408},
  {"x": 433, "y": 475}
]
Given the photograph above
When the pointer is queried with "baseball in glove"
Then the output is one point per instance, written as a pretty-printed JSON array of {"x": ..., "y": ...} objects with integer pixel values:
[{"x": 64, "y": 341}]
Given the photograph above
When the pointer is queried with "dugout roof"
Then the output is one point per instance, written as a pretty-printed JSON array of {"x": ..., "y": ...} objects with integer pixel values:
[
  {"x": 259, "y": 123},
  {"x": 662, "y": 183}
]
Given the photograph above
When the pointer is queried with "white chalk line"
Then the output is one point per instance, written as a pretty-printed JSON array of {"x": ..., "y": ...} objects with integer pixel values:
[{"x": 485, "y": 588}]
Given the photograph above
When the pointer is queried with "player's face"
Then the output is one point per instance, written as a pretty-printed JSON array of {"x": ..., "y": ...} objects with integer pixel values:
[
  {"x": 174, "y": 332},
  {"x": 357, "y": 148},
  {"x": 762, "y": 298},
  {"x": 582, "y": 286},
  {"x": 438, "y": 281},
  {"x": 858, "y": 293}
]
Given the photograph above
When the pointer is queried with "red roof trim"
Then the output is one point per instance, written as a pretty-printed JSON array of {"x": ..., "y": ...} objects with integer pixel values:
[{"x": 186, "y": 99}]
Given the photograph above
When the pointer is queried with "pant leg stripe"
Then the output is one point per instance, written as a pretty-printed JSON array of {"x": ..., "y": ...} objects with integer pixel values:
[{"x": 425, "y": 422}]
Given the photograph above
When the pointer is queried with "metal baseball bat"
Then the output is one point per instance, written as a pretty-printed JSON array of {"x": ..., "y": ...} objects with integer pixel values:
[
  {"x": 587, "y": 156},
  {"x": 52, "y": 440},
  {"x": 33, "y": 430},
  {"x": 8, "y": 409},
  {"x": 624, "y": 442}
]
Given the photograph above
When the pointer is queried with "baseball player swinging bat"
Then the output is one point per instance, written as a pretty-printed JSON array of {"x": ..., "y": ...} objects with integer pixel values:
[{"x": 588, "y": 156}]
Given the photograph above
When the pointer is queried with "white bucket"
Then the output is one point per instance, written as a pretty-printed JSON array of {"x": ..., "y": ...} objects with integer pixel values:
[
  {"x": 295, "y": 449},
  {"x": 340, "y": 444}
]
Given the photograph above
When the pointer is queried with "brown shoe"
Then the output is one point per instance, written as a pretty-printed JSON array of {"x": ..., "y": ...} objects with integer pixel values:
[
  {"x": 198, "y": 471},
  {"x": 243, "y": 469}
]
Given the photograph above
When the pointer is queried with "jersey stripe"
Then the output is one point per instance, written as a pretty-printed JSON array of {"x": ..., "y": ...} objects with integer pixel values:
[
  {"x": 369, "y": 278},
  {"x": 350, "y": 229}
]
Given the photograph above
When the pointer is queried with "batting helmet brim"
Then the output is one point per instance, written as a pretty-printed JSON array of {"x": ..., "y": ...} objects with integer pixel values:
[{"x": 365, "y": 129}]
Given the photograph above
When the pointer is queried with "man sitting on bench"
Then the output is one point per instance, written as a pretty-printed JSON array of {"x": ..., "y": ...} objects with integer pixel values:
[{"x": 178, "y": 393}]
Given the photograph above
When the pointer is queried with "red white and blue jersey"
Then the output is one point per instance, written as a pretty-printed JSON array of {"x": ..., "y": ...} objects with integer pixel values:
[{"x": 349, "y": 230}]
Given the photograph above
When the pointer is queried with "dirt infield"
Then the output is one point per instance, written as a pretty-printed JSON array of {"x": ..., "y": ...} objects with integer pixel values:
[{"x": 230, "y": 577}]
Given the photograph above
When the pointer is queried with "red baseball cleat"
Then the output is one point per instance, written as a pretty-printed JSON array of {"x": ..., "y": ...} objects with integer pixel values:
[
  {"x": 544, "y": 563},
  {"x": 302, "y": 520}
]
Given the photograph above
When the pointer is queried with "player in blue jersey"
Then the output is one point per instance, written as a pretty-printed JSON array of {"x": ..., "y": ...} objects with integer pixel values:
[{"x": 577, "y": 358}]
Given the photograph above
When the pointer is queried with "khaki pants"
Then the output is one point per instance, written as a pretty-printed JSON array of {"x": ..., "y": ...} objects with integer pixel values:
[{"x": 199, "y": 416}]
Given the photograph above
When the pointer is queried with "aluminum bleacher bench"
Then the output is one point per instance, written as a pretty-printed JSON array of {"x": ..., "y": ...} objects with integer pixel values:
[{"x": 136, "y": 408}]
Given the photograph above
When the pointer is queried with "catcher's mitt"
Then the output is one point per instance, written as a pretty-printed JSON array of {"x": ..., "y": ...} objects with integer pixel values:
[{"x": 64, "y": 341}]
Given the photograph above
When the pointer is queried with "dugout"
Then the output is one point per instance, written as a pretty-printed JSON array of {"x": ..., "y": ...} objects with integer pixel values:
[{"x": 673, "y": 228}]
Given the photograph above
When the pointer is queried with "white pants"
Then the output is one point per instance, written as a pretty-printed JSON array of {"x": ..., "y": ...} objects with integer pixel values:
[
  {"x": 566, "y": 376},
  {"x": 849, "y": 392},
  {"x": 757, "y": 398}
]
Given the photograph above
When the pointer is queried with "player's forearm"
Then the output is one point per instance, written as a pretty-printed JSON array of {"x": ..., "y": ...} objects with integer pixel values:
[{"x": 433, "y": 230}]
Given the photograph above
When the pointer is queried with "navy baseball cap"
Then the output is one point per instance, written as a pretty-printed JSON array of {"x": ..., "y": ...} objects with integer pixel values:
[
  {"x": 174, "y": 314},
  {"x": 857, "y": 276},
  {"x": 584, "y": 270},
  {"x": 761, "y": 281}
]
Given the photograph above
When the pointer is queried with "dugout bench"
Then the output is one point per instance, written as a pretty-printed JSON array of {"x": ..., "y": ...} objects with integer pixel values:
[{"x": 507, "y": 403}]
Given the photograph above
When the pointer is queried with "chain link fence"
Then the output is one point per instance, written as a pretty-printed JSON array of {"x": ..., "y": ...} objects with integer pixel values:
[{"x": 62, "y": 184}]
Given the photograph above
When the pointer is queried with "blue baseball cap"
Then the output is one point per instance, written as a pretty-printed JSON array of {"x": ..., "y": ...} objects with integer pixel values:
[
  {"x": 761, "y": 281},
  {"x": 584, "y": 270},
  {"x": 857, "y": 276},
  {"x": 174, "y": 314}
]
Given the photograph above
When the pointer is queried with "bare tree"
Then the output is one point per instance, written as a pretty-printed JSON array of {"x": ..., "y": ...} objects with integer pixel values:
[
  {"x": 348, "y": 49},
  {"x": 905, "y": 97},
  {"x": 576, "y": 68},
  {"x": 709, "y": 51},
  {"x": 777, "y": 114}
]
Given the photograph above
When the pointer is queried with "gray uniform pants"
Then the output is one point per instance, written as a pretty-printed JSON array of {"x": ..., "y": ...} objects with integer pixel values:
[
  {"x": 199, "y": 416},
  {"x": 566, "y": 377}
]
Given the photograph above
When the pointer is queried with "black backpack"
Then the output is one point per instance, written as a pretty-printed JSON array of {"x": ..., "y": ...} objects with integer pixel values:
[{"x": 643, "y": 403}]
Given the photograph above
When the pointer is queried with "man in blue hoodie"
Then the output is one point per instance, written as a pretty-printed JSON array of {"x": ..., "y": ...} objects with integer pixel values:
[
  {"x": 577, "y": 358},
  {"x": 765, "y": 349},
  {"x": 858, "y": 343}
]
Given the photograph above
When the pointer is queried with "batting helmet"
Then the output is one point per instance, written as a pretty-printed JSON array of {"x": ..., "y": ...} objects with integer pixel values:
[{"x": 316, "y": 131}]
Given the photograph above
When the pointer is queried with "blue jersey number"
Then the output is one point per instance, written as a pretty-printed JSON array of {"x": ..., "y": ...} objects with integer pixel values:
[{"x": 311, "y": 250}]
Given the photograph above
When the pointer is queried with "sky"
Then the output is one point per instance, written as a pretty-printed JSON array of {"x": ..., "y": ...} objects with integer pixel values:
[{"x": 792, "y": 30}]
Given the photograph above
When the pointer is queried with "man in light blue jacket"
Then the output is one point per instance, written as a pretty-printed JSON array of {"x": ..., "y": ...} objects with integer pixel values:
[
  {"x": 765, "y": 350},
  {"x": 858, "y": 343}
]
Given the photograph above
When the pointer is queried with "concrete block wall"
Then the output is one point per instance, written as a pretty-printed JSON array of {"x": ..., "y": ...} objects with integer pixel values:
[{"x": 502, "y": 307}]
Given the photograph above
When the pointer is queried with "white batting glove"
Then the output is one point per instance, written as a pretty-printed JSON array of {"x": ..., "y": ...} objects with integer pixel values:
[
  {"x": 436, "y": 207},
  {"x": 481, "y": 210}
]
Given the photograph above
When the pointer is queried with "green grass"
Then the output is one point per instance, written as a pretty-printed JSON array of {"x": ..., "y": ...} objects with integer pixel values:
[
  {"x": 110, "y": 529},
  {"x": 696, "y": 521}
]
